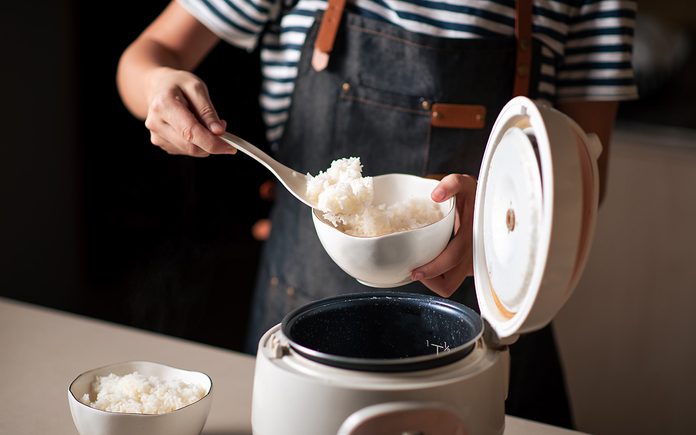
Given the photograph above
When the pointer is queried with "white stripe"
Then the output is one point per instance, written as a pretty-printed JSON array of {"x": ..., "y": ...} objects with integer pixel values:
[
  {"x": 604, "y": 23},
  {"x": 271, "y": 103},
  {"x": 275, "y": 133},
  {"x": 600, "y": 40},
  {"x": 548, "y": 70},
  {"x": 488, "y": 6},
  {"x": 292, "y": 20},
  {"x": 278, "y": 88},
  {"x": 546, "y": 51},
  {"x": 235, "y": 16},
  {"x": 446, "y": 16},
  {"x": 557, "y": 7},
  {"x": 551, "y": 43},
  {"x": 279, "y": 72},
  {"x": 547, "y": 87},
  {"x": 290, "y": 55},
  {"x": 250, "y": 10},
  {"x": 550, "y": 23},
  {"x": 415, "y": 26},
  {"x": 596, "y": 91},
  {"x": 265, "y": 3},
  {"x": 217, "y": 26},
  {"x": 608, "y": 97},
  {"x": 606, "y": 5},
  {"x": 292, "y": 38},
  {"x": 596, "y": 74},
  {"x": 310, "y": 5},
  {"x": 619, "y": 56},
  {"x": 274, "y": 118}
]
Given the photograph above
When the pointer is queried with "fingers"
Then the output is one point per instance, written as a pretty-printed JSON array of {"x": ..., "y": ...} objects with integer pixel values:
[
  {"x": 446, "y": 284},
  {"x": 189, "y": 150},
  {"x": 182, "y": 120},
  {"x": 448, "y": 270},
  {"x": 445, "y": 273}
]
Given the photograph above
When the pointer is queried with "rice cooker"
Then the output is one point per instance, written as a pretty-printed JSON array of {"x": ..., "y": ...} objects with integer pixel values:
[{"x": 399, "y": 363}]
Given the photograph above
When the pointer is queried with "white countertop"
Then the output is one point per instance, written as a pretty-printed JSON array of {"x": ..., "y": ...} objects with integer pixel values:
[{"x": 42, "y": 351}]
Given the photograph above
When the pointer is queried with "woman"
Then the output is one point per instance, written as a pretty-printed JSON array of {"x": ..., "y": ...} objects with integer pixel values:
[{"x": 409, "y": 86}]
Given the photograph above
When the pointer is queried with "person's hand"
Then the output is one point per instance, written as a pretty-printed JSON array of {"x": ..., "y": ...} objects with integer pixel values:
[
  {"x": 181, "y": 118},
  {"x": 446, "y": 273}
]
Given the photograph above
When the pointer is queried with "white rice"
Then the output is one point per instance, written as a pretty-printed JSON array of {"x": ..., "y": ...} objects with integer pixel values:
[
  {"x": 341, "y": 190},
  {"x": 135, "y": 393},
  {"x": 346, "y": 198}
]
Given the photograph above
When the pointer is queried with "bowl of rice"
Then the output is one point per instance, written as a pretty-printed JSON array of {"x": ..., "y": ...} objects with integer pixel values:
[
  {"x": 140, "y": 397},
  {"x": 378, "y": 229}
]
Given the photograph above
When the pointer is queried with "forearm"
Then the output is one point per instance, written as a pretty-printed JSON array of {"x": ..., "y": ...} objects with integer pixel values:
[
  {"x": 174, "y": 40},
  {"x": 135, "y": 72}
]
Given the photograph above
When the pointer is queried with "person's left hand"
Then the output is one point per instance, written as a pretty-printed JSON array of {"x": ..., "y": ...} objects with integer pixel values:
[{"x": 448, "y": 270}]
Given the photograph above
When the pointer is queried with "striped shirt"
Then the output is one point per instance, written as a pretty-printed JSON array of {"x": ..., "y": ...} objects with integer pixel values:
[{"x": 586, "y": 44}]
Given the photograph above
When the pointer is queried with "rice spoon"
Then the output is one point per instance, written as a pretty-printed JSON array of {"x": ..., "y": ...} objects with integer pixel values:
[{"x": 295, "y": 182}]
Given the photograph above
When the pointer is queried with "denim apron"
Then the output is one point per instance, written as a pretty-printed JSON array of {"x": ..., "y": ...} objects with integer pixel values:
[{"x": 375, "y": 100}]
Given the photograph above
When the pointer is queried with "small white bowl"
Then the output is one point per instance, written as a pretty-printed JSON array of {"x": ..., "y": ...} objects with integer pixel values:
[
  {"x": 188, "y": 420},
  {"x": 387, "y": 261}
]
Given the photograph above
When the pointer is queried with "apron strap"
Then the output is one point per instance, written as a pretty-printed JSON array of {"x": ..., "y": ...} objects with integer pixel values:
[
  {"x": 523, "y": 33},
  {"x": 327, "y": 33}
]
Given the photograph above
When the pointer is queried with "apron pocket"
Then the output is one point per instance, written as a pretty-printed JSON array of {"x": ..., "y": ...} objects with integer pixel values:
[{"x": 388, "y": 131}]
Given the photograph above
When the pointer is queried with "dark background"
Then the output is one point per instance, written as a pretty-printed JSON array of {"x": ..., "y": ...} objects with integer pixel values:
[{"x": 97, "y": 221}]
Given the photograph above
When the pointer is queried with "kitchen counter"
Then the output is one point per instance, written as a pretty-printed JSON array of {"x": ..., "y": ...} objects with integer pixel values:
[{"x": 43, "y": 350}]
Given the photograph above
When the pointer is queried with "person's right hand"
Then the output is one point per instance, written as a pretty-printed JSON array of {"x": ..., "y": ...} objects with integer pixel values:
[{"x": 180, "y": 116}]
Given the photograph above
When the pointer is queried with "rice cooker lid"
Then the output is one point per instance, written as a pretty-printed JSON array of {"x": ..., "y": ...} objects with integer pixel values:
[{"x": 534, "y": 215}]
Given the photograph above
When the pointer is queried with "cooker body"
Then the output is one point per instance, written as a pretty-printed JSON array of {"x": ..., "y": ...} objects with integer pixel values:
[{"x": 294, "y": 395}]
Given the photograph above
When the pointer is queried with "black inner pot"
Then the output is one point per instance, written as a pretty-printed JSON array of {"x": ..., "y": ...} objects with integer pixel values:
[{"x": 384, "y": 331}]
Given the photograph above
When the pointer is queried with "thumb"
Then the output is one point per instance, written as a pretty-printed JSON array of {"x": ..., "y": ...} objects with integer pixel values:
[{"x": 452, "y": 185}]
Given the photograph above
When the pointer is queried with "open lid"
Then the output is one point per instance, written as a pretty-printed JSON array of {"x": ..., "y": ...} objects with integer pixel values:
[{"x": 534, "y": 216}]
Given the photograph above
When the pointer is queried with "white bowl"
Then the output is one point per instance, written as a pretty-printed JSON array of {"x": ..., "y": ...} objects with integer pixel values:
[
  {"x": 387, "y": 261},
  {"x": 188, "y": 420}
]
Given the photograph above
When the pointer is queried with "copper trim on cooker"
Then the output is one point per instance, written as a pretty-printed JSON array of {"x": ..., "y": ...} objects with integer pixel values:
[{"x": 504, "y": 311}]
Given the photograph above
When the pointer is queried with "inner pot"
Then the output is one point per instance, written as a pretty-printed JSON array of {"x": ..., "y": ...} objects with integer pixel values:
[{"x": 383, "y": 331}]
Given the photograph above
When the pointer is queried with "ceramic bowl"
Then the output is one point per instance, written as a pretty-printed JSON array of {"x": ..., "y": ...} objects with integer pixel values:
[
  {"x": 188, "y": 420},
  {"x": 387, "y": 261}
]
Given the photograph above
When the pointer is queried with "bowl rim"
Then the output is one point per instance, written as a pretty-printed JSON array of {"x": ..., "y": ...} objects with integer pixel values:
[
  {"x": 452, "y": 201},
  {"x": 137, "y": 414}
]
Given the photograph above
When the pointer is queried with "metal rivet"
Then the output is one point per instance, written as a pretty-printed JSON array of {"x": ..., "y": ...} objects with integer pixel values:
[
  {"x": 274, "y": 281},
  {"x": 522, "y": 70},
  {"x": 478, "y": 117},
  {"x": 437, "y": 115},
  {"x": 290, "y": 291},
  {"x": 345, "y": 86},
  {"x": 425, "y": 104}
]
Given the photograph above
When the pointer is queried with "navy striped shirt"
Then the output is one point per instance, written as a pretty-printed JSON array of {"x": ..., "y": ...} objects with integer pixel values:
[{"x": 586, "y": 44}]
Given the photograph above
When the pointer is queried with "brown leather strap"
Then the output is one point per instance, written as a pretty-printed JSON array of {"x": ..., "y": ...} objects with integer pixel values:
[
  {"x": 523, "y": 33},
  {"x": 458, "y": 116},
  {"x": 326, "y": 37},
  {"x": 329, "y": 25}
]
